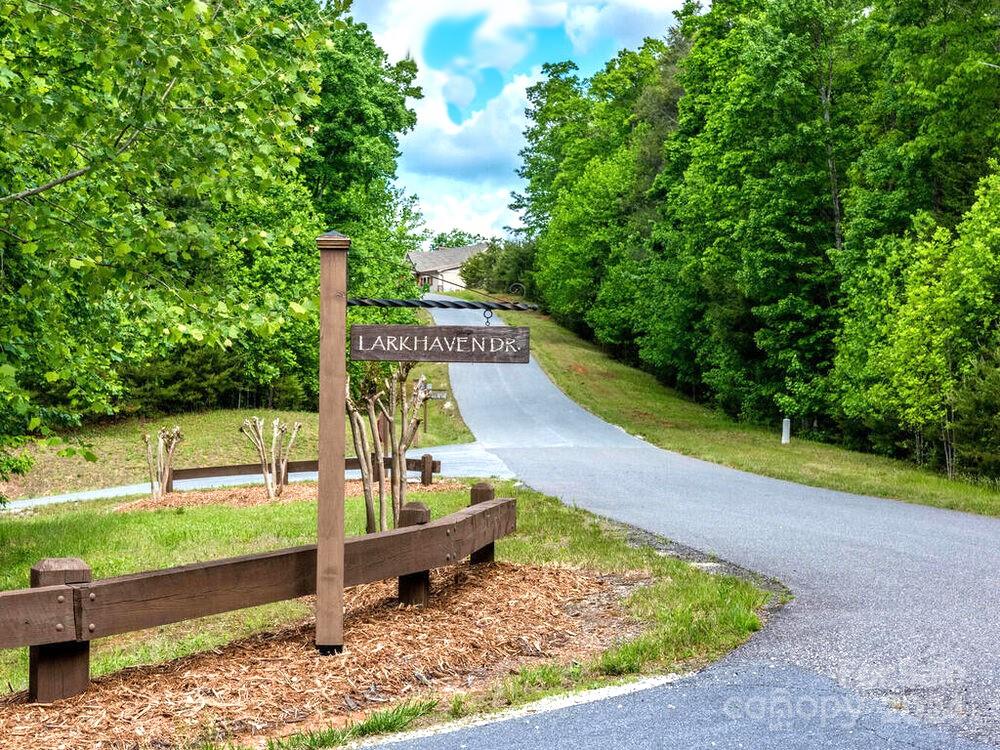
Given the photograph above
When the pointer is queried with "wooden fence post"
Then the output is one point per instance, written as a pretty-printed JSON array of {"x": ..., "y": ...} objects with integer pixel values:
[
  {"x": 59, "y": 670},
  {"x": 333, "y": 249},
  {"x": 414, "y": 588},
  {"x": 426, "y": 469},
  {"x": 482, "y": 492}
]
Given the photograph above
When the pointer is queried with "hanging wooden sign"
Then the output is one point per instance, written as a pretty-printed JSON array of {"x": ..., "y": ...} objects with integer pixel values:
[{"x": 504, "y": 344}]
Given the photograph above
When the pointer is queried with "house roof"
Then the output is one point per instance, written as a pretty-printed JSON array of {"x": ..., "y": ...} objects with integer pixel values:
[{"x": 444, "y": 258}]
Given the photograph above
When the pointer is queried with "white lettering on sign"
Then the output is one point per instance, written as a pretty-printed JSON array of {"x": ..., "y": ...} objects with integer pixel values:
[
  {"x": 437, "y": 343},
  {"x": 440, "y": 343}
]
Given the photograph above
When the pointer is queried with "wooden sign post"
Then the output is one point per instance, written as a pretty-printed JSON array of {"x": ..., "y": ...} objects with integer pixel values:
[
  {"x": 501, "y": 344},
  {"x": 333, "y": 249}
]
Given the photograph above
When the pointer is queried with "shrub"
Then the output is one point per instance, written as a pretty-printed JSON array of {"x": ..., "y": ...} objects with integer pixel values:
[
  {"x": 504, "y": 267},
  {"x": 977, "y": 422},
  {"x": 187, "y": 379}
]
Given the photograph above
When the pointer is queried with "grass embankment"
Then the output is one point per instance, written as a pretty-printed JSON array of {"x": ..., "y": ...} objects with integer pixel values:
[
  {"x": 691, "y": 616},
  {"x": 642, "y": 405},
  {"x": 211, "y": 438}
]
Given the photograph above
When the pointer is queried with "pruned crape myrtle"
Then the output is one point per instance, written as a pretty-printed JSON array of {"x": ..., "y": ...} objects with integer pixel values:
[
  {"x": 273, "y": 464},
  {"x": 384, "y": 422},
  {"x": 161, "y": 465}
]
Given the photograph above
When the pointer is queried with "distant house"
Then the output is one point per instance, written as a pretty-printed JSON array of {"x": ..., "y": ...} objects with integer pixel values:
[{"x": 437, "y": 269}]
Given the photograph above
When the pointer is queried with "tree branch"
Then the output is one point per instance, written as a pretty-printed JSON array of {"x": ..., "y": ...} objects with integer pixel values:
[{"x": 84, "y": 170}]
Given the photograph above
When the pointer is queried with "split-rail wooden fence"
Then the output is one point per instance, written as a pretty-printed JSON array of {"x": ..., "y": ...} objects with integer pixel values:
[
  {"x": 64, "y": 610},
  {"x": 426, "y": 465}
]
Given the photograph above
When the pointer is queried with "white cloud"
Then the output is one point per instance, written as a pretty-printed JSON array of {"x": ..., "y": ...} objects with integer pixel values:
[
  {"x": 483, "y": 148},
  {"x": 582, "y": 26},
  {"x": 454, "y": 206},
  {"x": 628, "y": 22},
  {"x": 459, "y": 90},
  {"x": 463, "y": 174},
  {"x": 500, "y": 41}
]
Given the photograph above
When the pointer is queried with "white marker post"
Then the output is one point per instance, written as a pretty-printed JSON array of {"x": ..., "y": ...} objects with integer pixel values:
[{"x": 786, "y": 431}]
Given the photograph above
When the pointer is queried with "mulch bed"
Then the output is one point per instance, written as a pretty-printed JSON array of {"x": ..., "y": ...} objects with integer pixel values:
[
  {"x": 245, "y": 497},
  {"x": 482, "y": 622}
]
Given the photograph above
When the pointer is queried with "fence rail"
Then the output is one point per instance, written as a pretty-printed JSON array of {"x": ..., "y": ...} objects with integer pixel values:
[
  {"x": 426, "y": 465},
  {"x": 46, "y": 616}
]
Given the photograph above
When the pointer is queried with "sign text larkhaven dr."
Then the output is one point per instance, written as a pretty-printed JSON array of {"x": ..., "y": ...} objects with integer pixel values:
[{"x": 440, "y": 343}]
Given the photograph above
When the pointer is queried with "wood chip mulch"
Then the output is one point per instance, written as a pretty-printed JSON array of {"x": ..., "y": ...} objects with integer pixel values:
[
  {"x": 245, "y": 497},
  {"x": 482, "y": 622}
]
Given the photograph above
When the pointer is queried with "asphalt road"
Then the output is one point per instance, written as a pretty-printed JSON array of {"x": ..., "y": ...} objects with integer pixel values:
[{"x": 893, "y": 639}]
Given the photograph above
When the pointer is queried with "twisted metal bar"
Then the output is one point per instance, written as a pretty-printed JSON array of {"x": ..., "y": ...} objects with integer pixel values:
[{"x": 439, "y": 304}]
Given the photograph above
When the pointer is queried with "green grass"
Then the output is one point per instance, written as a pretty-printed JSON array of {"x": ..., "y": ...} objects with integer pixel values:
[
  {"x": 391, "y": 720},
  {"x": 642, "y": 405},
  {"x": 211, "y": 438},
  {"x": 692, "y": 616}
]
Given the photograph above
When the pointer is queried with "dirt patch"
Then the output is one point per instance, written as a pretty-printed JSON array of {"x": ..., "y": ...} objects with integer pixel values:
[
  {"x": 577, "y": 368},
  {"x": 245, "y": 497},
  {"x": 482, "y": 622}
]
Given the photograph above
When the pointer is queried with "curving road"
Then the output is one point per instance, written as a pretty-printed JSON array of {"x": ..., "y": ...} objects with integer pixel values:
[{"x": 893, "y": 639}]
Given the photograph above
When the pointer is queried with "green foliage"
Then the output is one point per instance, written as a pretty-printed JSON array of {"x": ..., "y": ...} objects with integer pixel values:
[
  {"x": 977, "y": 424},
  {"x": 191, "y": 378},
  {"x": 164, "y": 172},
  {"x": 504, "y": 267},
  {"x": 456, "y": 238},
  {"x": 928, "y": 128},
  {"x": 118, "y": 149},
  {"x": 776, "y": 209},
  {"x": 947, "y": 315},
  {"x": 581, "y": 235}
]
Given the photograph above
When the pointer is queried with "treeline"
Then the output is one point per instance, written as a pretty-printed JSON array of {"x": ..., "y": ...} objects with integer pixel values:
[
  {"x": 506, "y": 266},
  {"x": 164, "y": 172},
  {"x": 789, "y": 208}
]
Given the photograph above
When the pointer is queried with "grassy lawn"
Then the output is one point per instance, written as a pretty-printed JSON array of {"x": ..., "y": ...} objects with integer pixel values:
[
  {"x": 636, "y": 401},
  {"x": 692, "y": 616},
  {"x": 211, "y": 438}
]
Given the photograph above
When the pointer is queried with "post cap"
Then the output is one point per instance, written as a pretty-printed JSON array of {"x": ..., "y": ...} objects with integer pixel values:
[
  {"x": 414, "y": 514},
  {"x": 333, "y": 241},
  {"x": 53, "y": 571}
]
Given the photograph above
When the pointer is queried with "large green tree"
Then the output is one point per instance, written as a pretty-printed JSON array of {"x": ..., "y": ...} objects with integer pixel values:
[
  {"x": 928, "y": 129},
  {"x": 592, "y": 142},
  {"x": 123, "y": 128},
  {"x": 164, "y": 171},
  {"x": 786, "y": 213}
]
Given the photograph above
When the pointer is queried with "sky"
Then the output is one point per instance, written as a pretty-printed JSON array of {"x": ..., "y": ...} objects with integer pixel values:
[{"x": 476, "y": 60}]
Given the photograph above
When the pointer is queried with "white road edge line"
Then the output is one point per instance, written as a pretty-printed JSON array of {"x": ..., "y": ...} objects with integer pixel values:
[{"x": 543, "y": 705}]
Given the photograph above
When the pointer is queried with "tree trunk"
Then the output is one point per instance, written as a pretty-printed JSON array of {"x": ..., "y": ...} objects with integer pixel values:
[
  {"x": 378, "y": 460},
  {"x": 826, "y": 97},
  {"x": 273, "y": 468},
  {"x": 364, "y": 459}
]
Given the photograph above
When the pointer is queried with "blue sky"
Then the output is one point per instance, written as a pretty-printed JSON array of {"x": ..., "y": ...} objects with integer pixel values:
[{"x": 476, "y": 60}]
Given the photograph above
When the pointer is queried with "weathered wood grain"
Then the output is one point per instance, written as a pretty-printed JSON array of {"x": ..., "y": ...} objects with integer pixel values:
[
  {"x": 414, "y": 588},
  {"x": 29, "y": 617},
  {"x": 60, "y": 670},
  {"x": 145, "y": 600},
  {"x": 482, "y": 492},
  {"x": 238, "y": 470},
  {"x": 399, "y": 343},
  {"x": 332, "y": 426}
]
